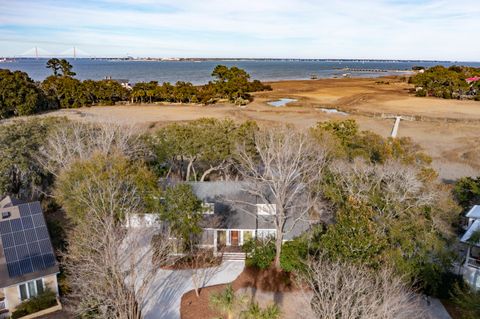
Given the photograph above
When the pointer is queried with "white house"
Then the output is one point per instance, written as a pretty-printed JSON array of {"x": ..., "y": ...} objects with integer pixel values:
[
  {"x": 233, "y": 216},
  {"x": 471, "y": 238}
]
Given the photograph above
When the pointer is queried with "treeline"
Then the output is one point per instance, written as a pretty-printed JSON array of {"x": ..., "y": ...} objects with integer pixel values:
[
  {"x": 232, "y": 84},
  {"x": 447, "y": 83},
  {"x": 20, "y": 95}
]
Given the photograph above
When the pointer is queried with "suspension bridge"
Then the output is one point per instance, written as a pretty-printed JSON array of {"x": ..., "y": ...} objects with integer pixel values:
[{"x": 37, "y": 52}]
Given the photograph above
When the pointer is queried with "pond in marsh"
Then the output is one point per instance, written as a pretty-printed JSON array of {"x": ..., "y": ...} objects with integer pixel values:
[
  {"x": 333, "y": 111},
  {"x": 281, "y": 102}
]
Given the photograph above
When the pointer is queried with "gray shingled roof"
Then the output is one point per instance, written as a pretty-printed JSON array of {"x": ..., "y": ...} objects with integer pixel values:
[{"x": 234, "y": 208}]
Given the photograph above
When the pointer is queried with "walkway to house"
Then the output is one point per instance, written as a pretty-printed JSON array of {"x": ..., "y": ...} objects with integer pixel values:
[
  {"x": 435, "y": 310},
  {"x": 168, "y": 287}
]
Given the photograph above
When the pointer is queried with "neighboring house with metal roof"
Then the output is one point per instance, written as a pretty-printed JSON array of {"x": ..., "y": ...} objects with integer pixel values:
[
  {"x": 232, "y": 216},
  {"x": 27, "y": 261},
  {"x": 471, "y": 267}
]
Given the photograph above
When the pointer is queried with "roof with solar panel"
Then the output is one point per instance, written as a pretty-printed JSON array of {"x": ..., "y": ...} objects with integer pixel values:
[{"x": 25, "y": 248}]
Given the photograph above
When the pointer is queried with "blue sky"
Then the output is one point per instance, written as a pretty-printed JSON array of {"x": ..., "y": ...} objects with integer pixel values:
[{"x": 382, "y": 29}]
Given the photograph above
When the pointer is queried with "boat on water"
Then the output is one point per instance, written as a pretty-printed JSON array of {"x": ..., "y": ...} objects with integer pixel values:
[{"x": 6, "y": 60}]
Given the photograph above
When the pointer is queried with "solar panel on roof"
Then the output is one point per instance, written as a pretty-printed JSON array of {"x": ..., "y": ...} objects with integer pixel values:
[
  {"x": 37, "y": 263},
  {"x": 10, "y": 254},
  {"x": 24, "y": 210},
  {"x": 42, "y": 233},
  {"x": 19, "y": 238},
  {"x": 5, "y": 227},
  {"x": 30, "y": 235},
  {"x": 22, "y": 252},
  {"x": 35, "y": 208},
  {"x": 7, "y": 240},
  {"x": 27, "y": 222},
  {"x": 14, "y": 269},
  {"x": 26, "y": 266},
  {"x": 49, "y": 260},
  {"x": 38, "y": 220},
  {"x": 34, "y": 249},
  {"x": 26, "y": 242},
  {"x": 16, "y": 225},
  {"x": 45, "y": 247}
]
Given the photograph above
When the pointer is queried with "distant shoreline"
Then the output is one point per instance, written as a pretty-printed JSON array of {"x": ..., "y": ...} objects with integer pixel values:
[{"x": 193, "y": 59}]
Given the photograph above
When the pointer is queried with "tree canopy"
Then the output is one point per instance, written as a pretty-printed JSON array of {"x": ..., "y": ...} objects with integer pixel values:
[
  {"x": 183, "y": 212},
  {"x": 94, "y": 182},
  {"x": 20, "y": 171},
  {"x": 447, "y": 83},
  {"x": 19, "y": 95},
  {"x": 198, "y": 148}
]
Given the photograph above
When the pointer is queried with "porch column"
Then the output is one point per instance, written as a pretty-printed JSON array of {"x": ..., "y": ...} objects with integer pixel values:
[{"x": 215, "y": 242}]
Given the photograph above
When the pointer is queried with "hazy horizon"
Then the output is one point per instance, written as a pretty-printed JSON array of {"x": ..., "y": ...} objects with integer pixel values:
[{"x": 303, "y": 29}]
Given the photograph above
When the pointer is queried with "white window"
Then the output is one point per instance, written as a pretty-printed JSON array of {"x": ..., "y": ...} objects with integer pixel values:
[
  {"x": 208, "y": 208},
  {"x": 266, "y": 209},
  {"x": 142, "y": 220},
  {"x": 264, "y": 234},
  {"x": 31, "y": 289}
]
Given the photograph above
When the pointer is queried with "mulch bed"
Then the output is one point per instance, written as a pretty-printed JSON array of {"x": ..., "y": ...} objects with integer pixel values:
[
  {"x": 453, "y": 310},
  {"x": 193, "y": 307},
  {"x": 267, "y": 280},
  {"x": 188, "y": 262}
]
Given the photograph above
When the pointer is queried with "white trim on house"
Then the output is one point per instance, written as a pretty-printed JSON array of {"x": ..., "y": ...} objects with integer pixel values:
[
  {"x": 142, "y": 220},
  {"x": 28, "y": 289},
  {"x": 266, "y": 209},
  {"x": 260, "y": 233},
  {"x": 209, "y": 208}
]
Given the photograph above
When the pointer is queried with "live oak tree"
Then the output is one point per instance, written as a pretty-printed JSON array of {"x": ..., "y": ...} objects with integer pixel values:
[
  {"x": 19, "y": 95},
  {"x": 106, "y": 182},
  {"x": 22, "y": 142},
  {"x": 389, "y": 213},
  {"x": 199, "y": 148},
  {"x": 182, "y": 211}
]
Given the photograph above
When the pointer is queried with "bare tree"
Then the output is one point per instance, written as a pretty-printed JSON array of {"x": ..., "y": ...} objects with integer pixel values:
[
  {"x": 204, "y": 267},
  {"x": 79, "y": 141},
  {"x": 284, "y": 172},
  {"x": 400, "y": 186},
  {"x": 110, "y": 267},
  {"x": 340, "y": 290}
]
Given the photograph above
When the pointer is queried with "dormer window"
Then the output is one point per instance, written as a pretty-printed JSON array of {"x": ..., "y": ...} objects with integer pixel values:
[
  {"x": 266, "y": 209},
  {"x": 208, "y": 208}
]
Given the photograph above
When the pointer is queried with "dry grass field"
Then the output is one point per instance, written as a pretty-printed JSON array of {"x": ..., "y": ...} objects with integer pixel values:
[{"x": 448, "y": 130}]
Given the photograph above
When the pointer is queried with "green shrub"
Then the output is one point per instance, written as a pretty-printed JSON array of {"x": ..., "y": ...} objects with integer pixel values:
[
  {"x": 43, "y": 301},
  {"x": 254, "y": 311},
  {"x": 260, "y": 254},
  {"x": 421, "y": 93},
  {"x": 293, "y": 254},
  {"x": 467, "y": 300}
]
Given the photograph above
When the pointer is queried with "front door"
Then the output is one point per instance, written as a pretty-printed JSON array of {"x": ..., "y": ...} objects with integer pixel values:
[{"x": 234, "y": 238}]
